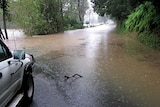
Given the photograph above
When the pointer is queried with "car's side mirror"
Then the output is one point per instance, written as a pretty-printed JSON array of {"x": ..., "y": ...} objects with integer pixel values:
[{"x": 19, "y": 54}]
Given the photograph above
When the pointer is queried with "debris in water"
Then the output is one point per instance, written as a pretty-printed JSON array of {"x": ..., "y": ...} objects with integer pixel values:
[{"x": 67, "y": 77}]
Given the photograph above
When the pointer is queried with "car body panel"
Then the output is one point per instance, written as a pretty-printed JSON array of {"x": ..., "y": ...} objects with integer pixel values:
[
  {"x": 12, "y": 72},
  {"x": 5, "y": 81}
]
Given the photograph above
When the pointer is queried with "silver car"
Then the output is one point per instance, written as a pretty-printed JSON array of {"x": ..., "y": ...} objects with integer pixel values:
[{"x": 16, "y": 80}]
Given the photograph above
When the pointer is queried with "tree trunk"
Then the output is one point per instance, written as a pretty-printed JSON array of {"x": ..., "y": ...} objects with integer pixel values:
[
  {"x": 79, "y": 10},
  {"x": 62, "y": 20},
  {"x": 1, "y": 34},
  {"x": 4, "y": 18}
]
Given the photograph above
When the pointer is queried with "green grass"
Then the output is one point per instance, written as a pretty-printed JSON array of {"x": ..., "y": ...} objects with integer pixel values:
[{"x": 149, "y": 40}]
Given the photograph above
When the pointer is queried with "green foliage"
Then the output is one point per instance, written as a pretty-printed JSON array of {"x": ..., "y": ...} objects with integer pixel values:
[
  {"x": 149, "y": 39},
  {"x": 71, "y": 24},
  {"x": 75, "y": 9},
  {"x": 4, "y": 5},
  {"x": 47, "y": 16},
  {"x": 120, "y": 29},
  {"x": 156, "y": 25},
  {"x": 142, "y": 18},
  {"x": 73, "y": 13},
  {"x": 117, "y": 9},
  {"x": 120, "y": 9},
  {"x": 51, "y": 12},
  {"x": 146, "y": 21},
  {"x": 26, "y": 14}
]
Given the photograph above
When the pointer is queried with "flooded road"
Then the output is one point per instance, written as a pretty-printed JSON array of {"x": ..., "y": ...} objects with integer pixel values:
[{"x": 116, "y": 71}]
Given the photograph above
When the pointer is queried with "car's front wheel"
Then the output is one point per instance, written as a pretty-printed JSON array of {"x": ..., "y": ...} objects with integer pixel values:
[{"x": 28, "y": 87}]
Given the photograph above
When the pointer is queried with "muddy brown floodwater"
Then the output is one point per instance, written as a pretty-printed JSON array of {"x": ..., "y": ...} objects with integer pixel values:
[{"x": 117, "y": 71}]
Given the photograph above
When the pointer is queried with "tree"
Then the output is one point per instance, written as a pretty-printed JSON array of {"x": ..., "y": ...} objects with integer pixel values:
[
  {"x": 73, "y": 13},
  {"x": 4, "y": 6},
  {"x": 142, "y": 16},
  {"x": 37, "y": 16},
  {"x": 120, "y": 9},
  {"x": 82, "y": 7},
  {"x": 51, "y": 11},
  {"x": 117, "y": 9},
  {"x": 48, "y": 16}
]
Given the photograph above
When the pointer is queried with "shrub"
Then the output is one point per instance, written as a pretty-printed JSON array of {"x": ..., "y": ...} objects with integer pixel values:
[
  {"x": 149, "y": 39},
  {"x": 142, "y": 18},
  {"x": 70, "y": 24}
]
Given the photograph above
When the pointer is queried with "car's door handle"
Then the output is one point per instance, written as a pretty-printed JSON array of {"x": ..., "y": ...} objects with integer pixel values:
[
  {"x": 0, "y": 75},
  {"x": 12, "y": 74},
  {"x": 11, "y": 62}
]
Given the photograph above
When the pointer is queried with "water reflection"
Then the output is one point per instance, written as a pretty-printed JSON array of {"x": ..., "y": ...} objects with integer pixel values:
[{"x": 96, "y": 37}]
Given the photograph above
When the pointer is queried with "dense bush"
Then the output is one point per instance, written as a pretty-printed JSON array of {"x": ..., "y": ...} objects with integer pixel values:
[
  {"x": 142, "y": 18},
  {"x": 145, "y": 20},
  {"x": 30, "y": 19},
  {"x": 149, "y": 39},
  {"x": 45, "y": 16},
  {"x": 70, "y": 24}
]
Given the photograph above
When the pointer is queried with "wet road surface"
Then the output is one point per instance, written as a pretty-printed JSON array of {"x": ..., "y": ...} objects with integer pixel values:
[{"x": 116, "y": 71}]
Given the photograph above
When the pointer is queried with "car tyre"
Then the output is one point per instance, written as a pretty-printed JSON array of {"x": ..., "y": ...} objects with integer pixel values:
[{"x": 28, "y": 87}]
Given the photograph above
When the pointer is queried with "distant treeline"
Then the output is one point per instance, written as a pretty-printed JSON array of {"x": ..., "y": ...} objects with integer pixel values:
[{"x": 46, "y": 16}]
